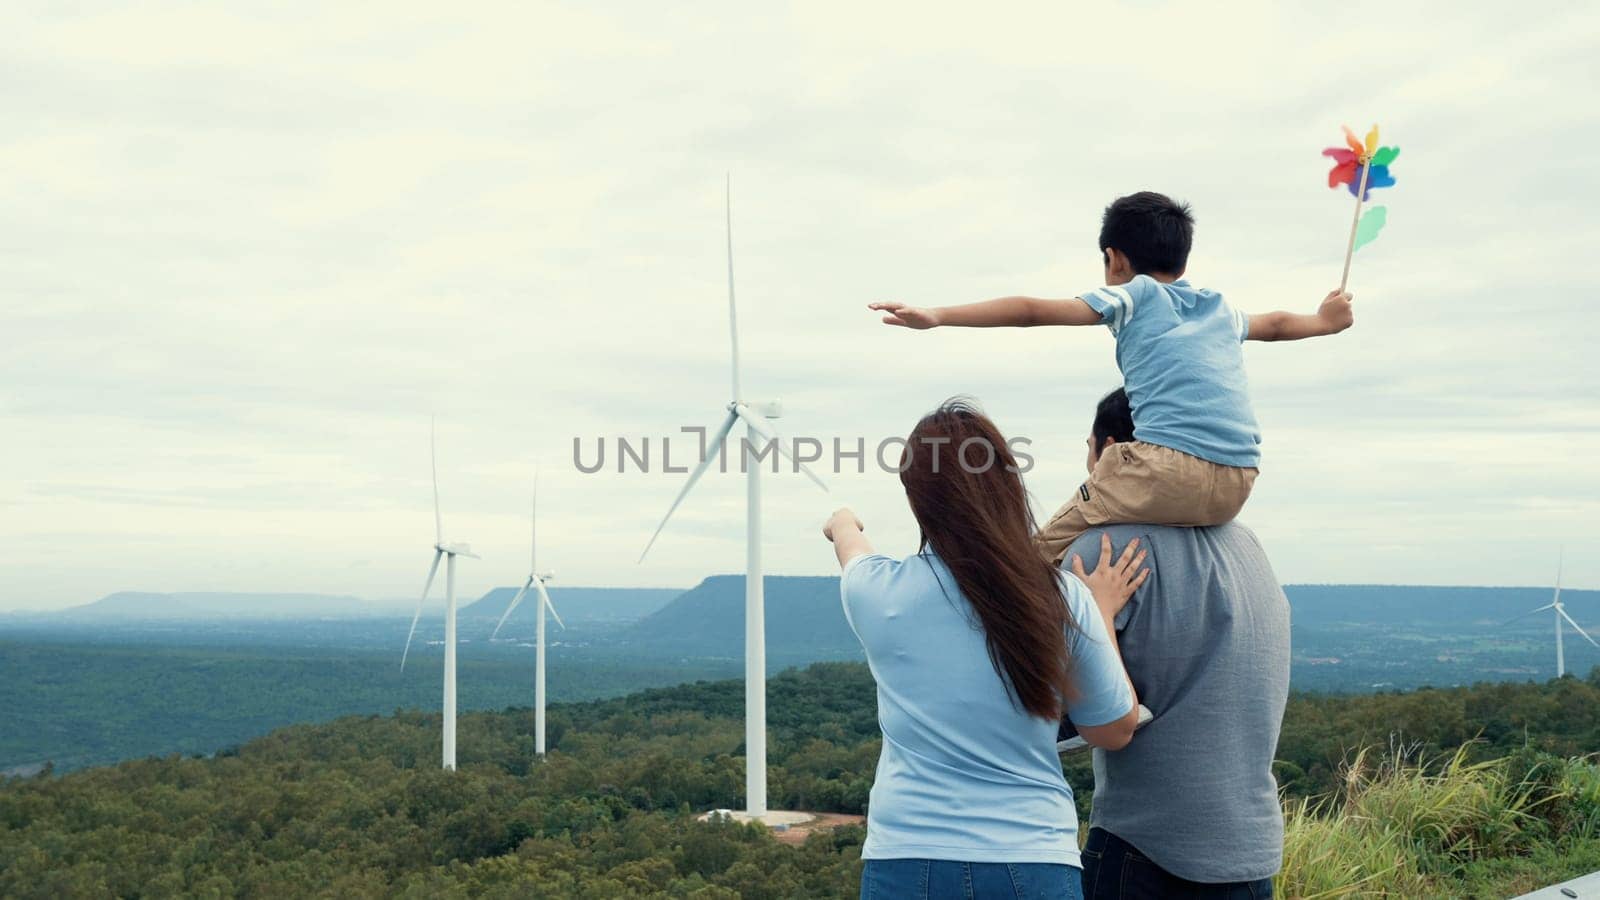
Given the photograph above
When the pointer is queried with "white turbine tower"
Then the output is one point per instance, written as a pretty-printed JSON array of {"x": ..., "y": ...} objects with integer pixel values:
[
  {"x": 759, "y": 433},
  {"x": 536, "y": 580},
  {"x": 449, "y": 552},
  {"x": 1561, "y": 616}
]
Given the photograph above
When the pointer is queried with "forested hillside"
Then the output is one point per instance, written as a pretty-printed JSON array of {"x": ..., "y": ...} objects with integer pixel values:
[
  {"x": 359, "y": 808},
  {"x": 78, "y": 705}
]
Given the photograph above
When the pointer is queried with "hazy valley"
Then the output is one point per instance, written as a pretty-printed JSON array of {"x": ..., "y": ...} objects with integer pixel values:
[{"x": 140, "y": 674}]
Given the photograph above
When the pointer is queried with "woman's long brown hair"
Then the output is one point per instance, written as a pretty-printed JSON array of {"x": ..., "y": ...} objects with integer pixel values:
[{"x": 966, "y": 492}]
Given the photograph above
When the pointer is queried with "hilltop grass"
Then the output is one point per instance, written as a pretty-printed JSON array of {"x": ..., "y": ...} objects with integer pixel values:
[{"x": 1405, "y": 827}]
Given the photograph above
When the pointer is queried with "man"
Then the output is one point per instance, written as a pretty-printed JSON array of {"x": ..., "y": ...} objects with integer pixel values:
[
  {"x": 1113, "y": 424},
  {"x": 1190, "y": 807}
]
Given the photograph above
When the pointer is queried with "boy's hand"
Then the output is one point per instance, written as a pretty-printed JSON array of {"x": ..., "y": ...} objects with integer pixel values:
[
  {"x": 1332, "y": 317},
  {"x": 1335, "y": 311},
  {"x": 842, "y": 517},
  {"x": 1113, "y": 582},
  {"x": 907, "y": 316}
]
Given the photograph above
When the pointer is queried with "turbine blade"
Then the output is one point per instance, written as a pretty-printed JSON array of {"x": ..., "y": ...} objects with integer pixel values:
[
  {"x": 1530, "y": 612},
  {"x": 713, "y": 451},
  {"x": 509, "y": 607},
  {"x": 764, "y": 428},
  {"x": 733, "y": 316},
  {"x": 1560, "y": 558},
  {"x": 426, "y": 586},
  {"x": 533, "y": 526},
  {"x": 1578, "y": 628},
  {"x": 433, "y": 461},
  {"x": 544, "y": 598}
]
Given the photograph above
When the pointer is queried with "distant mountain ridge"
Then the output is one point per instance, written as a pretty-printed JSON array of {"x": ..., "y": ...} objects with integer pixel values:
[
  {"x": 220, "y": 604},
  {"x": 805, "y": 620},
  {"x": 575, "y": 604},
  {"x": 1379, "y": 603},
  {"x": 803, "y": 611},
  {"x": 590, "y": 605}
]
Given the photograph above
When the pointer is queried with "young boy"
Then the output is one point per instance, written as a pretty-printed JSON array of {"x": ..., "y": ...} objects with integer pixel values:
[{"x": 1196, "y": 448}]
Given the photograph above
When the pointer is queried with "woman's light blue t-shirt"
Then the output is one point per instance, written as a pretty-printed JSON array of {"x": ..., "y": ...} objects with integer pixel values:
[{"x": 965, "y": 774}]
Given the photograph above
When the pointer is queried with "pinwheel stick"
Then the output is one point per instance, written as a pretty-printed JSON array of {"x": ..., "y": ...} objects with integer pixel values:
[{"x": 1350, "y": 248}]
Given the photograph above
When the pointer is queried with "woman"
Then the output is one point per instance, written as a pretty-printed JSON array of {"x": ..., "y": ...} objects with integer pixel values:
[{"x": 978, "y": 647}]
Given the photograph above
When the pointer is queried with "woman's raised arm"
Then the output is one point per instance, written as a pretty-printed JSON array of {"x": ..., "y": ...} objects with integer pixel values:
[{"x": 844, "y": 529}]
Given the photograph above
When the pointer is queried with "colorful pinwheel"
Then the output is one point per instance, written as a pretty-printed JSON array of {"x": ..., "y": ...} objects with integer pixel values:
[
  {"x": 1351, "y": 159},
  {"x": 1361, "y": 165}
]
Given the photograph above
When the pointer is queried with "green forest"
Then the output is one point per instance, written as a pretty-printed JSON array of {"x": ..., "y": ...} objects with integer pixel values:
[
  {"x": 79, "y": 705},
  {"x": 358, "y": 807}
]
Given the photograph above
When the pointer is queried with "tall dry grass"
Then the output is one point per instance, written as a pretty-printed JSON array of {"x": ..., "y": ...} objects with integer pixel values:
[{"x": 1406, "y": 827}]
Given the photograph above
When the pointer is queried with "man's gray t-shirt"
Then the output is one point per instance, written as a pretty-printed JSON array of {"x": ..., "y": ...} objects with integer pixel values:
[{"x": 1206, "y": 642}]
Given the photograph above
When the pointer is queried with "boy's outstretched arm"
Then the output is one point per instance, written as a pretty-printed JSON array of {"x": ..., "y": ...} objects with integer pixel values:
[
  {"x": 1332, "y": 317},
  {"x": 1019, "y": 312}
]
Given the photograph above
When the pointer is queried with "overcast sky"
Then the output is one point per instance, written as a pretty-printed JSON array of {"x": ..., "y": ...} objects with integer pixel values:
[{"x": 247, "y": 252}]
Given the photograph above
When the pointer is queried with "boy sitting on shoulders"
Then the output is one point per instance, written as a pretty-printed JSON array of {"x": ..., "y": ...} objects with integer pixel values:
[{"x": 1196, "y": 447}]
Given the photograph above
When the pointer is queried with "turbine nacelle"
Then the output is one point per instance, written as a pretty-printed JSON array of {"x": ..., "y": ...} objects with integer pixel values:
[
  {"x": 545, "y": 576},
  {"x": 766, "y": 409},
  {"x": 456, "y": 550}
]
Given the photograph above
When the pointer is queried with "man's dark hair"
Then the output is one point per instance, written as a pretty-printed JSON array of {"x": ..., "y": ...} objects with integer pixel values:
[
  {"x": 1113, "y": 418},
  {"x": 1152, "y": 230}
]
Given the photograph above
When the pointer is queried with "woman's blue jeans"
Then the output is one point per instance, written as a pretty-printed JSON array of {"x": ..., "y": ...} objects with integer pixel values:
[{"x": 938, "y": 879}]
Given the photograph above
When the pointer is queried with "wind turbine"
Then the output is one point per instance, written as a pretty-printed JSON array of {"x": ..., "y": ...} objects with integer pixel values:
[
  {"x": 759, "y": 432},
  {"x": 1561, "y": 615},
  {"x": 449, "y": 551},
  {"x": 536, "y": 580}
]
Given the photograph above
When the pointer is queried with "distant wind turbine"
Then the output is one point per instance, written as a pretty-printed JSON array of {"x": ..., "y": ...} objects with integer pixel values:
[
  {"x": 536, "y": 580},
  {"x": 1561, "y": 615},
  {"x": 759, "y": 431},
  {"x": 449, "y": 551}
]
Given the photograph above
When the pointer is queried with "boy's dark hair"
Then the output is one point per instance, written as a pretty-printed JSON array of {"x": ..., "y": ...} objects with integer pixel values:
[
  {"x": 1152, "y": 230},
  {"x": 1113, "y": 418}
]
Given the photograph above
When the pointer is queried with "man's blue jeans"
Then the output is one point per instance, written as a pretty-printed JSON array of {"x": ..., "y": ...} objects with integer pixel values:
[
  {"x": 938, "y": 879},
  {"x": 1114, "y": 869}
]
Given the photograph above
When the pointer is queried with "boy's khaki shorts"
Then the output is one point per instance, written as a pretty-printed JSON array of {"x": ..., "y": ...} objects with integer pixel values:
[{"x": 1136, "y": 483}]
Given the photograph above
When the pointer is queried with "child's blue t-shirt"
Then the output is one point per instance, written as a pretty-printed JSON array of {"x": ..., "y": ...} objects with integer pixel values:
[
  {"x": 965, "y": 774},
  {"x": 1182, "y": 365}
]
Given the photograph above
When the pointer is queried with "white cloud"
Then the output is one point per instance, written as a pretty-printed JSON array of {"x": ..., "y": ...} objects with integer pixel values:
[{"x": 249, "y": 251}]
